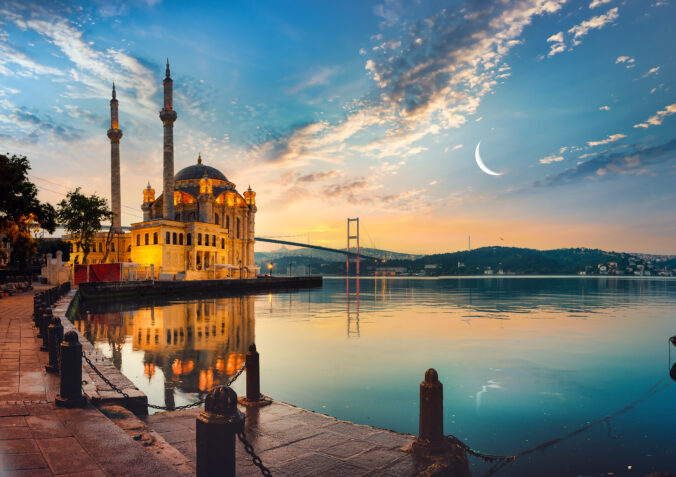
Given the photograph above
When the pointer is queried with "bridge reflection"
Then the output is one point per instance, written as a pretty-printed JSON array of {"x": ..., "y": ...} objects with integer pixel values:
[{"x": 193, "y": 346}]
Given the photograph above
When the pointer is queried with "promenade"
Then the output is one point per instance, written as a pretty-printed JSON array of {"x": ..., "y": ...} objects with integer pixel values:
[{"x": 37, "y": 438}]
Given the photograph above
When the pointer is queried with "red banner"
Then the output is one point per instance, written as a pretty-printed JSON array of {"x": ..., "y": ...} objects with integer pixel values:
[{"x": 102, "y": 272}]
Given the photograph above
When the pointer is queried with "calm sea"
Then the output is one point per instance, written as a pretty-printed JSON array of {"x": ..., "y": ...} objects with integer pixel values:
[{"x": 522, "y": 360}]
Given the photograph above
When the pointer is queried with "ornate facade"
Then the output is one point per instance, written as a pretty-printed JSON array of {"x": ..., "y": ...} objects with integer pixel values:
[{"x": 204, "y": 231}]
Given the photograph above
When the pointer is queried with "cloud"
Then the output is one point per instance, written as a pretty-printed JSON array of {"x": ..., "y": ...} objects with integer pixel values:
[
  {"x": 27, "y": 66},
  {"x": 606, "y": 166},
  {"x": 604, "y": 108},
  {"x": 77, "y": 112},
  {"x": 630, "y": 62},
  {"x": 598, "y": 3},
  {"x": 659, "y": 116},
  {"x": 652, "y": 71},
  {"x": 594, "y": 23},
  {"x": 558, "y": 45},
  {"x": 320, "y": 77},
  {"x": 551, "y": 159},
  {"x": 609, "y": 139}
]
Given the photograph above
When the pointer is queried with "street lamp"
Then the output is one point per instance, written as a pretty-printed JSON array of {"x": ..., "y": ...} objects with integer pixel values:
[{"x": 270, "y": 265}]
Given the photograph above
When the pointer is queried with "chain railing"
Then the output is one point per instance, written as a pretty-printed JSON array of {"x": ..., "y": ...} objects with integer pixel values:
[
  {"x": 156, "y": 406},
  {"x": 254, "y": 458}
]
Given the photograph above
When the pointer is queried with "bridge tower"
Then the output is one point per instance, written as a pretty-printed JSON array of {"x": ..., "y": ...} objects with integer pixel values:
[{"x": 352, "y": 241}]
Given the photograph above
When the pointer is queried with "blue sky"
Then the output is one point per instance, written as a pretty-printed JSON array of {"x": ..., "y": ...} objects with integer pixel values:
[{"x": 368, "y": 109}]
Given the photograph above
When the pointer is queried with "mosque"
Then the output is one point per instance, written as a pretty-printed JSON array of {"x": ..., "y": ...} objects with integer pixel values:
[{"x": 200, "y": 227}]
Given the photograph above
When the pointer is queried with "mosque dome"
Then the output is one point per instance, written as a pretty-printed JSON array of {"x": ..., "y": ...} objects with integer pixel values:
[{"x": 198, "y": 171}]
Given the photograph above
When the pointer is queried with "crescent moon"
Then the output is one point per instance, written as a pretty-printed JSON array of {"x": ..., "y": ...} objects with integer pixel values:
[{"x": 481, "y": 164}]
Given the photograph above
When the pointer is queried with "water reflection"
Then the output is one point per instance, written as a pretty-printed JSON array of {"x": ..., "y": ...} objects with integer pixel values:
[{"x": 194, "y": 345}]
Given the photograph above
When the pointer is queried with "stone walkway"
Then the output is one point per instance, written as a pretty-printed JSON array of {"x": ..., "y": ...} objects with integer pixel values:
[
  {"x": 39, "y": 439},
  {"x": 295, "y": 442}
]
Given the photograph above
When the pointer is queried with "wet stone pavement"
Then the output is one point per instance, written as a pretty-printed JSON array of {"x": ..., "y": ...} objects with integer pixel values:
[{"x": 295, "y": 442}]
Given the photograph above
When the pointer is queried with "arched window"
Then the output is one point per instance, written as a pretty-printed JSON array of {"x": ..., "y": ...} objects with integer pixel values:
[
  {"x": 100, "y": 247},
  {"x": 216, "y": 217},
  {"x": 155, "y": 238},
  {"x": 222, "y": 243},
  {"x": 227, "y": 221},
  {"x": 174, "y": 238},
  {"x": 188, "y": 239},
  {"x": 177, "y": 217},
  {"x": 112, "y": 246},
  {"x": 180, "y": 239},
  {"x": 237, "y": 227},
  {"x": 199, "y": 239},
  {"x": 167, "y": 238},
  {"x": 146, "y": 239},
  {"x": 129, "y": 250},
  {"x": 213, "y": 240},
  {"x": 138, "y": 240}
]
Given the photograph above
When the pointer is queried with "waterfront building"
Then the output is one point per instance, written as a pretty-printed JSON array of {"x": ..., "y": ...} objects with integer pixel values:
[{"x": 200, "y": 227}]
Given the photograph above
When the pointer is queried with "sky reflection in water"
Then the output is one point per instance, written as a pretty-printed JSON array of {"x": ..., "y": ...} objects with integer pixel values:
[{"x": 522, "y": 360}]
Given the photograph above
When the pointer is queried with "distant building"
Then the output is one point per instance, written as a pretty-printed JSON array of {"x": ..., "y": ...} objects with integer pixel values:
[{"x": 200, "y": 227}]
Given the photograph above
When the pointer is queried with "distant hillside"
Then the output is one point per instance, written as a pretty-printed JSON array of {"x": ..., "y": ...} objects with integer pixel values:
[
  {"x": 502, "y": 260},
  {"x": 285, "y": 252}
]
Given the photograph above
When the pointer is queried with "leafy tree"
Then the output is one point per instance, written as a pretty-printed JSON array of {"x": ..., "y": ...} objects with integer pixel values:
[
  {"x": 22, "y": 215},
  {"x": 81, "y": 216}
]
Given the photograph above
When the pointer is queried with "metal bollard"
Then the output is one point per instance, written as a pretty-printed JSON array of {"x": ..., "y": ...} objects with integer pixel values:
[
  {"x": 70, "y": 368},
  {"x": 37, "y": 317},
  {"x": 430, "y": 438},
  {"x": 253, "y": 397},
  {"x": 44, "y": 324},
  {"x": 217, "y": 427},
  {"x": 54, "y": 338},
  {"x": 253, "y": 374}
]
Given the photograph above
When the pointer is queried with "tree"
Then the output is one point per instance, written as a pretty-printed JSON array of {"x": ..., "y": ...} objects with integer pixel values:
[
  {"x": 81, "y": 216},
  {"x": 22, "y": 215}
]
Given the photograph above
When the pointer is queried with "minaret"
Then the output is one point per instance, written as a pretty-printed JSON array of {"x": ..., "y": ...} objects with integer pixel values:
[
  {"x": 168, "y": 116},
  {"x": 115, "y": 134}
]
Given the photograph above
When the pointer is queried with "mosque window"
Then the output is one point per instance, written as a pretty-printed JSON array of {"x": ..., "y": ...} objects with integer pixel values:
[
  {"x": 174, "y": 239},
  {"x": 216, "y": 217},
  {"x": 177, "y": 217},
  {"x": 146, "y": 241},
  {"x": 222, "y": 243},
  {"x": 100, "y": 247},
  {"x": 129, "y": 250},
  {"x": 199, "y": 239},
  {"x": 180, "y": 239},
  {"x": 213, "y": 240},
  {"x": 188, "y": 239},
  {"x": 155, "y": 238},
  {"x": 112, "y": 246},
  {"x": 138, "y": 240},
  {"x": 227, "y": 221},
  {"x": 167, "y": 238},
  {"x": 237, "y": 227}
]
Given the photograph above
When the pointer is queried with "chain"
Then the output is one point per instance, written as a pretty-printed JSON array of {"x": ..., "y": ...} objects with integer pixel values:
[
  {"x": 255, "y": 459},
  {"x": 155, "y": 406}
]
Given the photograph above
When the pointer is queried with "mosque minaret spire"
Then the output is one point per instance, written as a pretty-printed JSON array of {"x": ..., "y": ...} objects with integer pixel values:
[
  {"x": 168, "y": 116},
  {"x": 115, "y": 134}
]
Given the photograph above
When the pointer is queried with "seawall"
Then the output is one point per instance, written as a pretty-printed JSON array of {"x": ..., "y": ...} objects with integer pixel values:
[{"x": 105, "y": 290}]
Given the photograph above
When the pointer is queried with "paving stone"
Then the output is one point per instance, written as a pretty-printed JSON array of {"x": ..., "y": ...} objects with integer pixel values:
[
  {"x": 348, "y": 448},
  {"x": 18, "y": 446},
  {"x": 375, "y": 458},
  {"x": 47, "y": 426},
  {"x": 346, "y": 470},
  {"x": 65, "y": 454},
  {"x": 22, "y": 461},
  {"x": 310, "y": 464}
]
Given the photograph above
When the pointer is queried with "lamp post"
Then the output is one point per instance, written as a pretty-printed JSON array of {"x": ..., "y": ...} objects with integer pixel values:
[{"x": 270, "y": 265}]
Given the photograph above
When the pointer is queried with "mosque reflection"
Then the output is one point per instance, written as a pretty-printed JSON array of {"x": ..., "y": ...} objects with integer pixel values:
[{"x": 196, "y": 344}]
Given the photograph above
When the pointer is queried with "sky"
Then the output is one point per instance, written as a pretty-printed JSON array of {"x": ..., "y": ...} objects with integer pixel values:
[{"x": 369, "y": 109}]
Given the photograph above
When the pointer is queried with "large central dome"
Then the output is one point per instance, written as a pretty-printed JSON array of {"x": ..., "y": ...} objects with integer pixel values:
[{"x": 197, "y": 171}]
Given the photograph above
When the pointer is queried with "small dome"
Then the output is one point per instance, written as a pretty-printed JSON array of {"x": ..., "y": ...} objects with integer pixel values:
[{"x": 198, "y": 171}]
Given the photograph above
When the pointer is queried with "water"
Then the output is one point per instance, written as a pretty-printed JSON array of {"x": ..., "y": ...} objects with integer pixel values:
[{"x": 522, "y": 360}]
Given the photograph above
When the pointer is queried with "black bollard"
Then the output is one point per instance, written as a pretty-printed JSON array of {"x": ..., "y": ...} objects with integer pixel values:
[
  {"x": 253, "y": 397},
  {"x": 70, "y": 368},
  {"x": 44, "y": 324},
  {"x": 54, "y": 338},
  {"x": 430, "y": 438},
  {"x": 217, "y": 427},
  {"x": 253, "y": 374},
  {"x": 37, "y": 317}
]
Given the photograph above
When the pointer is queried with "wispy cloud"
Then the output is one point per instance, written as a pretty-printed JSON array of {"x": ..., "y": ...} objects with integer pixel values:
[
  {"x": 609, "y": 139},
  {"x": 320, "y": 77},
  {"x": 594, "y": 23},
  {"x": 25, "y": 66},
  {"x": 605, "y": 166},
  {"x": 551, "y": 159},
  {"x": 598, "y": 3},
  {"x": 604, "y": 108},
  {"x": 652, "y": 71},
  {"x": 659, "y": 116},
  {"x": 628, "y": 61}
]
